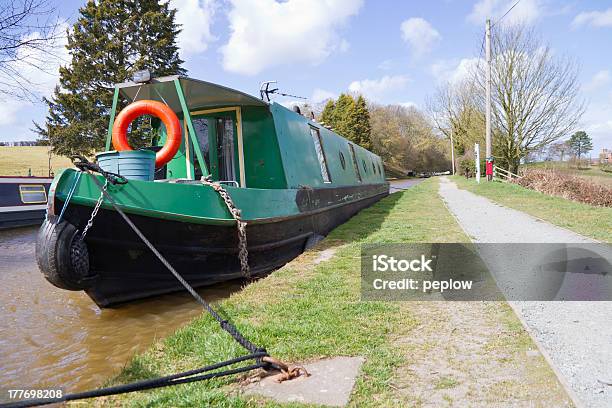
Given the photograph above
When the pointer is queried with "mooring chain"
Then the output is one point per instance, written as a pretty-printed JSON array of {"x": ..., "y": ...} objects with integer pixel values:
[
  {"x": 243, "y": 252},
  {"x": 95, "y": 211}
]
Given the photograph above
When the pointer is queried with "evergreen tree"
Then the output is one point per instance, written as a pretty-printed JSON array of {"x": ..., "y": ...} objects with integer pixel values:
[
  {"x": 327, "y": 116},
  {"x": 580, "y": 143},
  {"x": 109, "y": 42},
  {"x": 349, "y": 118},
  {"x": 362, "y": 127},
  {"x": 343, "y": 117}
]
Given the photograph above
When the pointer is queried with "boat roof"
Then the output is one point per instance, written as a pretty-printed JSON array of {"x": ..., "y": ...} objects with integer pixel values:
[{"x": 198, "y": 94}]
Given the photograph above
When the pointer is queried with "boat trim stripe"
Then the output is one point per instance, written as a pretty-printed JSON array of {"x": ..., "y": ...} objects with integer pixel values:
[
  {"x": 25, "y": 180},
  {"x": 15, "y": 208}
]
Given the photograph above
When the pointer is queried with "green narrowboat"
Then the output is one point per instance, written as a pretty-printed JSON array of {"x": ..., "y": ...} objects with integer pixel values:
[{"x": 292, "y": 178}]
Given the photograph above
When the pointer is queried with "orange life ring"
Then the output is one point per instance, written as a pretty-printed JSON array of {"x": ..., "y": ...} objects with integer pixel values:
[{"x": 155, "y": 108}]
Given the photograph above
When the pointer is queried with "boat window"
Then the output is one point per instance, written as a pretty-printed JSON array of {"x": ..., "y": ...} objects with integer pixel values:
[
  {"x": 373, "y": 167},
  {"x": 200, "y": 125},
  {"x": 355, "y": 165},
  {"x": 342, "y": 161},
  {"x": 379, "y": 169},
  {"x": 225, "y": 149},
  {"x": 365, "y": 168},
  {"x": 32, "y": 193},
  {"x": 316, "y": 138}
]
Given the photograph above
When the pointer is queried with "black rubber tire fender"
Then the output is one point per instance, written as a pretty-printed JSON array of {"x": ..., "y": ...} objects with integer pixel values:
[{"x": 61, "y": 255}]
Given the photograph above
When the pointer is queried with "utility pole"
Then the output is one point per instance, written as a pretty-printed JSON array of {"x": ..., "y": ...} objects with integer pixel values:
[
  {"x": 452, "y": 150},
  {"x": 488, "y": 153}
]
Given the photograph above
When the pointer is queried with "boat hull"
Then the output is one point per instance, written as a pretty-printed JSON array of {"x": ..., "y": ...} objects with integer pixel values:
[
  {"x": 204, "y": 254},
  {"x": 21, "y": 218},
  {"x": 16, "y": 210}
]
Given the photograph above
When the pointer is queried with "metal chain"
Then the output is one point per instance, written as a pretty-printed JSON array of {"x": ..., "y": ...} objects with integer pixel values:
[
  {"x": 95, "y": 211},
  {"x": 243, "y": 252}
]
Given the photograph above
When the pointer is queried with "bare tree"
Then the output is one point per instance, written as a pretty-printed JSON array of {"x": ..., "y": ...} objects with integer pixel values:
[
  {"x": 558, "y": 150},
  {"x": 535, "y": 94},
  {"x": 455, "y": 107},
  {"x": 404, "y": 138},
  {"x": 29, "y": 29}
]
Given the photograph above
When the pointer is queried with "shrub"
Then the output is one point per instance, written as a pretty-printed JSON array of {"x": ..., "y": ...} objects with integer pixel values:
[
  {"x": 551, "y": 182},
  {"x": 467, "y": 164}
]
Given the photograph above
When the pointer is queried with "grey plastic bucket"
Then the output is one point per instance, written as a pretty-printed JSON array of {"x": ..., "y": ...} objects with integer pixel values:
[{"x": 131, "y": 164}]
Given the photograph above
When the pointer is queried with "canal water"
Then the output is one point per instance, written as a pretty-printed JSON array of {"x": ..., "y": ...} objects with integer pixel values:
[{"x": 52, "y": 338}]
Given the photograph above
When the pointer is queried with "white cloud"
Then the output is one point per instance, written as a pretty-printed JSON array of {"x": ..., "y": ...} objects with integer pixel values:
[
  {"x": 409, "y": 104},
  {"x": 386, "y": 65},
  {"x": 594, "y": 18},
  {"x": 267, "y": 33},
  {"x": 526, "y": 11},
  {"x": 9, "y": 112},
  {"x": 597, "y": 123},
  {"x": 454, "y": 71},
  {"x": 377, "y": 89},
  {"x": 598, "y": 80},
  {"x": 34, "y": 69},
  {"x": 320, "y": 95},
  {"x": 420, "y": 35},
  {"x": 195, "y": 18}
]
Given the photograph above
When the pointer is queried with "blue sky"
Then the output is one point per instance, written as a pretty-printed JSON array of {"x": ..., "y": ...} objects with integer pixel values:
[{"x": 392, "y": 51}]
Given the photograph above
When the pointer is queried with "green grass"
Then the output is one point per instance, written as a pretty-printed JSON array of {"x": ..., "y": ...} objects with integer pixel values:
[
  {"x": 590, "y": 221},
  {"x": 17, "y": 160},
  {"x": 304, "y": 312}
]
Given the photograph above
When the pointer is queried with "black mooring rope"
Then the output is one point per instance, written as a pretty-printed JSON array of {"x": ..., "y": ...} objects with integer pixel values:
[
  {"x": 225, "y": 325},
  {"x": 256, "y": 353},
  {"x": 153, "y": 383}
]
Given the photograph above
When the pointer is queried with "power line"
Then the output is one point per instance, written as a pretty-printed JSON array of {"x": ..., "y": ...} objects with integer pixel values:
[{"x": 506, "y": 13}]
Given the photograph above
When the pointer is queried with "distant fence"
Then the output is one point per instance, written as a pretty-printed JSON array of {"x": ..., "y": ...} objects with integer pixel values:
[
  {"x": 22, "y": 143},
  {"x": 504, "y": 174}
]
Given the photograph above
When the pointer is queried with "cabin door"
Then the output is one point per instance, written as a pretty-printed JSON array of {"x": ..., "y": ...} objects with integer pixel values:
[{"x": 217, "y": 135}]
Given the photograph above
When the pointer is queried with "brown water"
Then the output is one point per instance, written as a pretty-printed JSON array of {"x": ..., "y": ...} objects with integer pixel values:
[{"x": 55, "y": 338}]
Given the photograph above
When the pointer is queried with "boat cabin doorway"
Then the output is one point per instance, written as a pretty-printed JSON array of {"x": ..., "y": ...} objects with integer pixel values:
[{"x": 219, "y": 135}]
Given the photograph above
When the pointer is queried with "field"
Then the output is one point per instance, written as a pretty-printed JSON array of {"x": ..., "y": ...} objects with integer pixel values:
[
  {"x": 592, "y": 173},
  {"x": 18, "y": 160},
  {"x": 590, "y": 221}
]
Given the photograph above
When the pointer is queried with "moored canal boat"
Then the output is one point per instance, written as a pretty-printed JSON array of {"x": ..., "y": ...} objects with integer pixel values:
[
  {"x": 23, "y": 200},
  {"x": 292, "y": 179}
]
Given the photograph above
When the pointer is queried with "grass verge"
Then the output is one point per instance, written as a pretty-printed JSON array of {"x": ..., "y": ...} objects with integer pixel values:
[
  {"x": 590, "y": 221},
  {"x": 308, "y": 310},
  {"x": 304, "y": 311}
]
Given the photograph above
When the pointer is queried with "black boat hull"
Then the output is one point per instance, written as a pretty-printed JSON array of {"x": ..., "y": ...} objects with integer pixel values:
[
  {"x": 21, "y": 218},
  {"x": 124, "y": 269}
]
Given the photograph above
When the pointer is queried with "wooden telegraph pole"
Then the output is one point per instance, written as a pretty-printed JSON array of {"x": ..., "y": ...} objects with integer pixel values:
[
  {"x": 452, "y": 150},
  {"x": 488, "y": 153}
]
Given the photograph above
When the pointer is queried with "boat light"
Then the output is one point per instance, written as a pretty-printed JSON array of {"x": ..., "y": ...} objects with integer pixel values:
[{"x": 142, "y": 76}]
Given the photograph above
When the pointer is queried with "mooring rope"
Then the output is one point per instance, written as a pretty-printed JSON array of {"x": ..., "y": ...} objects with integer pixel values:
[
  {"x": 225, "y": 325},
  {"x": 259, "y": 354},
  {"x": 174, "y": 379}
]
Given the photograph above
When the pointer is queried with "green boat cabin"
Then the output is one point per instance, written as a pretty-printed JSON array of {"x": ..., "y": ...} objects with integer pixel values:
[{"x": 243, "y": 141}]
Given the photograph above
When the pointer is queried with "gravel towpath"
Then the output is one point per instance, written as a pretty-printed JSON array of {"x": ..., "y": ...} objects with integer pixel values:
[{"x": 575, "y": 335}]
